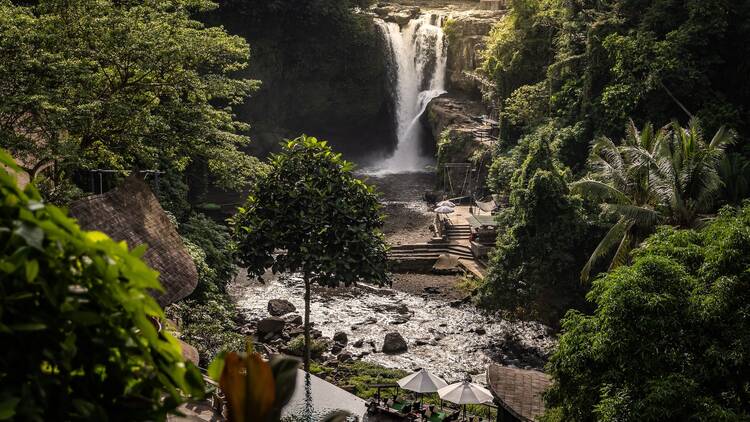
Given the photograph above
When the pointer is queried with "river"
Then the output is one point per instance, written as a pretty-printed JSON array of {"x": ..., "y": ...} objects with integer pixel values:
[{"x": 452, "y": 341}]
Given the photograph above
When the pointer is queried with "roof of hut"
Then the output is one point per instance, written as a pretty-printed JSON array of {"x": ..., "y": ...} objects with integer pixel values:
[
  {"x": 519, "y": 390},
  {"x": 132, "y": 213}
]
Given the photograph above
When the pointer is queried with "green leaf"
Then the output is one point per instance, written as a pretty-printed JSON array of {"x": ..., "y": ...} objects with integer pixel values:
[
  {"x": 32, "y": 270},
  {"x": 29, "y": 326},
  {"x": 217, "y": 366},
  {"x": 8, "y": 406},
  {"x": 32, "y": 235}
]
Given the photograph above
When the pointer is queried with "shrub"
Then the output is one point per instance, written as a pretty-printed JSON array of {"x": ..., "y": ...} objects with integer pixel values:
[
  {"x": 208, "y": 325},
  {"x": 76, "y": 321},
  {"x": 297, "y": 345}
]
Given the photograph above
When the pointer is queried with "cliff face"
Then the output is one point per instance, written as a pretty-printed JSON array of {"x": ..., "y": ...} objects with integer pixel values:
[
  {"x": 322, "y": 75},
  {"x": 468, "y": 32}
]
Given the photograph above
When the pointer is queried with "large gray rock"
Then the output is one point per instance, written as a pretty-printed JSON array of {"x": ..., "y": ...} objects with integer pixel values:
[
  {"x": 270, "y": 325},
  {"x": 279, "y": 307},
  {"x": 394, "y": 343},
  {"x": 341, "y": 338}
]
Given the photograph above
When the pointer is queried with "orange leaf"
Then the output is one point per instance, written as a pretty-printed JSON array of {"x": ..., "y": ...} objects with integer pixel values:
[
  {"x": 261, "y": 388},
  {"x": 233, "y": 384}
]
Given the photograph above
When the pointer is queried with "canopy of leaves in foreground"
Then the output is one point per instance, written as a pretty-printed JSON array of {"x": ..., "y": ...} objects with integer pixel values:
[
  {"x": 128, "y": 84},
  {"x": 670, "y": 338},
  {"x": 325, "y": 222},
  {"x": 76, "y": 321}
]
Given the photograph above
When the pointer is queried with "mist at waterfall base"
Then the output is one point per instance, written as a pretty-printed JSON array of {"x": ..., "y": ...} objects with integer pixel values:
[{"x": 417, "y": 66}]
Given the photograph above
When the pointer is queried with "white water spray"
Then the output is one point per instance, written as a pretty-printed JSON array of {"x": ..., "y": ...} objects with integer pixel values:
[{"x": 418, "y": 62}]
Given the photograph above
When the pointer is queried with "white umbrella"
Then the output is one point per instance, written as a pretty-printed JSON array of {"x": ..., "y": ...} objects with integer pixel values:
[
  {"x": 422, "y": 381},
  {"x": 446, "y": 204},
  {"x": 464, "y": 393},
  {"x": 444, "y": 210}
]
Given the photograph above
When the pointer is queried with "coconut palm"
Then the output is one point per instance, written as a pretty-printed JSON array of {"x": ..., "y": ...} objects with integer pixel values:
[
  {"x": 687, "y": 176},
  {"x": 620, "y": 180},
  {"x": 653, "y": 177}
]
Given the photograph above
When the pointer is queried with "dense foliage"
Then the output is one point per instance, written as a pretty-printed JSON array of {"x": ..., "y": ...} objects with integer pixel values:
[
  {"x": 207, "y": 318},
  {"x": 652, "y": 177},
  {"x": 77, "y": 321},
  {"x": 543, "y": 239},
  {"x": 312, "y": 216},
  {"x": 670, "y": 339},
  {"x": 106, "y": 84},
  {"x": 588, "y": 66},
  {"x": 577, "y": 71}
]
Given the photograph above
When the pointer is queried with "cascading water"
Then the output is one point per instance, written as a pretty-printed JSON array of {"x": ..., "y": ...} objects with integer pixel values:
[{"x": 418, "y": 62}]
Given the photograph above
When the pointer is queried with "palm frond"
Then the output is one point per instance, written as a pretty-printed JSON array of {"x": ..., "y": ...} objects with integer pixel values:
[
  {"x": 612, "y": 238},
  {"x": 640, "y": 216},
  {"x": 599, "y": 190}
]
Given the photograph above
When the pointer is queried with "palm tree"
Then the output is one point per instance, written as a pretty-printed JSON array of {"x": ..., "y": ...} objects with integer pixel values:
[
  {"x": 620, "y": 180},
  {"x": 687, "y": 177},
  {"x": 667, "y": 176}
]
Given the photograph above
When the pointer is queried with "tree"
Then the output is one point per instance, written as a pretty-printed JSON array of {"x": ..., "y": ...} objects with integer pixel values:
[
  {"x": 545, "y": 231},
  {"x": 77, "y": 322},
  {"x": 109, "y": 84},
  {"x": 669, "y": 339},
  {"x": 312, "y": 216},
  {"x": 669, "y": 176}
]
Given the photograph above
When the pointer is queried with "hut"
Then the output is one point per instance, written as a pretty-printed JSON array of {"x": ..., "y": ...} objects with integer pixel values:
[
  {"x": 132, "y": 213},
  {"x": 518, "y": 391}
]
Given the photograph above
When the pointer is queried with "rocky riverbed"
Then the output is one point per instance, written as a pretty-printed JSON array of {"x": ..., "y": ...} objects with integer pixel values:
[{"x": 451, "y": 338}]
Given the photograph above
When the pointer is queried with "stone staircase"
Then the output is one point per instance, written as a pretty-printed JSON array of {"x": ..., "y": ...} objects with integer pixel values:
[
  {"x": 456, "y": 232},
  {"x": 429, "y": 251}
]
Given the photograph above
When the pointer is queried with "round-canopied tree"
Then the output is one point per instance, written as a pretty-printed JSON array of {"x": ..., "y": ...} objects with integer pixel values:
[{"x": 310, "y": 215}]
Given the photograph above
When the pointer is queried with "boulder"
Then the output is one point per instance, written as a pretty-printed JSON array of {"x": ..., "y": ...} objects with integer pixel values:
[
  {"x": 293, "y": 319},
  {"x": 341, "y": 337},
  {"x": 343, "y": 357},
  {"x": 279, "y": 307},
  {"x": 359, "y": 343},
  {"x": 270, "y": 325},
  {"x": 394, "y": 343}
]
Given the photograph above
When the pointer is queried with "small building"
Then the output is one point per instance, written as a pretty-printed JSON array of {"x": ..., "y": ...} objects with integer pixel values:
[{"x": 519, "y": 392}]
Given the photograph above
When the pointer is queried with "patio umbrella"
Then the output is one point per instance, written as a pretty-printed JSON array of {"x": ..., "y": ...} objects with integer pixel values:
[
  {"x": 422, "y": 381},
  {"x": 446, "y": 204},
  {"x": 444, "y": 210},
  {"x": 464, "y": 393}
]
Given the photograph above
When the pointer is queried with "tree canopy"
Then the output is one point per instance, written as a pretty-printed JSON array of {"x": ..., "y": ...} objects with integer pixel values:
[
  {"x": 107, "y": 84},
  {"x": 592, "y": 65},
  {"x": 669, "y": 339},
  {"x": 543, "y": 238}
]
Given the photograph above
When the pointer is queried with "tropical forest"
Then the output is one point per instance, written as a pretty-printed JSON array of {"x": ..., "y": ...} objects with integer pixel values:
[{"x": 375, "y": 210}]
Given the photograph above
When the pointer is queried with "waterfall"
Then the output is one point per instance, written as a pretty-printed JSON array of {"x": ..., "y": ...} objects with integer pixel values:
[{"x": 417, "y": 60}]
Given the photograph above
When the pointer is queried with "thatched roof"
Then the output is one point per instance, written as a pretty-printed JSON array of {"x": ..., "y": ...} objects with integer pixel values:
[
  {"x": 518, "y": 390},
  {"x": 132, "y": 213}
]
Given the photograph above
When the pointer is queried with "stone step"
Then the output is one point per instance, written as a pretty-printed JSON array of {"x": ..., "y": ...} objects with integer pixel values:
[
  {"x": 426, "y": 253},
  {"x": 431, "y": 246}
]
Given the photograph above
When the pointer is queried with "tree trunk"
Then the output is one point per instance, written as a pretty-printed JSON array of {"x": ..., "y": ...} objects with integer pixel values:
[{"x": 307, "y": 325}]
